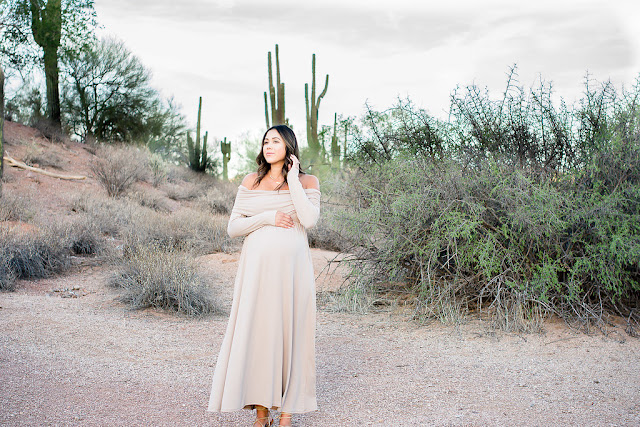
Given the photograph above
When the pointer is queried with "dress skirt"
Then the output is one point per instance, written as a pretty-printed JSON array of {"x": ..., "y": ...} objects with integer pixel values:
[{"x": 267, "y": 356}]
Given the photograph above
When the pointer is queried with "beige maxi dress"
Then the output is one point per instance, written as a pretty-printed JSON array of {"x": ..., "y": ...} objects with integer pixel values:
[{"x": 267, "y": 356}]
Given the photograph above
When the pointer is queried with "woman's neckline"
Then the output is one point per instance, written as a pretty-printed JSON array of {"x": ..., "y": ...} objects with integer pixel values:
[{"x": 277, "y": 191}]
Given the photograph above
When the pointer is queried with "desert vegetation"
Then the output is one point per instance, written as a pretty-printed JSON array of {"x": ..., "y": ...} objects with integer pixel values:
[
  {"x": 130, "y": 223},
  {"x": 517, "y": 208}
]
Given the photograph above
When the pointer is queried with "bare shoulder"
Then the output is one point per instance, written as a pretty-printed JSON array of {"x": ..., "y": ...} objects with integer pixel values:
[
  {"x": 249, "y": 180},
  {"x": 309, "y": 181}
]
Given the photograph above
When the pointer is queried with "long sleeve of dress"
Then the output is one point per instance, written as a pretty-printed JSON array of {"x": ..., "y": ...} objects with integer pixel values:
[
  {"x": 307, "y": 212},
  {"x": 240, "y": 225}
]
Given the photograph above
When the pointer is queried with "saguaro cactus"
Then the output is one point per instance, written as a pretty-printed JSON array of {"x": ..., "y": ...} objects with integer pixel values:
[
  {"x": 312, "y": 110},
  {"x": 225, "y": 147},
  {"x": 276, "y": 95},
  {"x": 335, "y": 147},
  {"x": 344, "y": 147},
  {"x": 198, "y": 160},
  {"x": 1, "y": 124}
]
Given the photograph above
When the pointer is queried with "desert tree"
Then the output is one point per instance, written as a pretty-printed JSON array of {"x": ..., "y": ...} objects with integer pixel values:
[
  {"x": 108, "y": 95},
  {"x": 36, "y": 32}
]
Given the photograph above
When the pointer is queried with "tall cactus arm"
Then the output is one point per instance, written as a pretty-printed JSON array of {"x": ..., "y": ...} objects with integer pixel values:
[
  {"x": 204, "y": 161},
  {"x": 266, "y": 110},
  {"x": 272, "y": 89},
  {"x": 322, "y": 94}
]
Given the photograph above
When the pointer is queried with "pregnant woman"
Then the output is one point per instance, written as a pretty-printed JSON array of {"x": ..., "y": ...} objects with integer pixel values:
[{"x": 267, "y": 358}]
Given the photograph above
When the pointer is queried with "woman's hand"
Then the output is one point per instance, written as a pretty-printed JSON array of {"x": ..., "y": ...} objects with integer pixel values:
[
  {"x": 295, "y": 163},
  {"x": 283, "y": 220}
]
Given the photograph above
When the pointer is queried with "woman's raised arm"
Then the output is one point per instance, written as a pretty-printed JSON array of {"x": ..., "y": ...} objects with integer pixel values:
[{"x": 307, "y": 209}]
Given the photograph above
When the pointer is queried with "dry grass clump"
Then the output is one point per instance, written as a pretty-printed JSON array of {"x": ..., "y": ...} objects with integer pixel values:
[
  {"x": 37, "y": 156},
  {"x": 7, "y": 178},
  {"x": 42, "y": 250},
  {"x": 219, "y": 198},
  {"x": 189, "y": 230},
  {"x": 85, "y": 237},
  {"x": 14, "y": 207},
  {"x": 184, "y": 191},
  {"x": 110, "y": 215},
  {"x": 162, "y": 277},
  {"x": 31, "y": 254},
  {"x": 50, "y": 130},
  {"x": 350, "y": 299},
  {"x": 149, "y": 200},
  {"x": 118, "y": 168},
  {"x": 180, "y": 174}
]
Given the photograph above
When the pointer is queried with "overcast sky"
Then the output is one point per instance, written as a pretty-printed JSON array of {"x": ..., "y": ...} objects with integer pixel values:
[{"x": 372, "y": 51}]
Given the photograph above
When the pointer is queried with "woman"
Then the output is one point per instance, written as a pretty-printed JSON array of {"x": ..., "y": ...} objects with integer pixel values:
[{"x": 267, "y": 359}]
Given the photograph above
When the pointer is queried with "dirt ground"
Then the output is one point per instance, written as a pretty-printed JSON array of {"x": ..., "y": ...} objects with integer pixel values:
[
  {"x": 88, "y": 360},
  {"x": 71, "y": 354}
]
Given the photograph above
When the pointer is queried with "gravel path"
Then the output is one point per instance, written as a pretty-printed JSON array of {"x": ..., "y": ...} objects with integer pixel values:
[{"x": 90, "y": 361}]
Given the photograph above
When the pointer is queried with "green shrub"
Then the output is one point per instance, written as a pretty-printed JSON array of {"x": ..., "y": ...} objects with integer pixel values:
[
  {"x": 514, "y": 208},
  {"x": 161, "y": 277},
  {"x": 158, "y": 168}
]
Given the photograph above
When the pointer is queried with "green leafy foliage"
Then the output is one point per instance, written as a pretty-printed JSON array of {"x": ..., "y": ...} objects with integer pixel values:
[{"x": 498, "y": 211}]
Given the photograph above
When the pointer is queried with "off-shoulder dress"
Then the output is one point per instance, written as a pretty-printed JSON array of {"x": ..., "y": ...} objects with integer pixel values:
[{"x": 267, "y": 355}]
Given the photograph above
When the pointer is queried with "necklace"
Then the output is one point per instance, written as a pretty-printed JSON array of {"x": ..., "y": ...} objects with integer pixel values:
[{"x": 277, "y": 182}]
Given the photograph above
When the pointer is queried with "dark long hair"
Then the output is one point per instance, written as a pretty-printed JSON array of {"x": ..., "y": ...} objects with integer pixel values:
[{"x": 291, "y": 144}]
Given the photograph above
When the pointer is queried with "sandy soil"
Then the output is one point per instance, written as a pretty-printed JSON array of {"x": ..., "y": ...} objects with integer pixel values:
[
  {"x": 79, "y": 357},
  {"x": 91, "y": 361}
]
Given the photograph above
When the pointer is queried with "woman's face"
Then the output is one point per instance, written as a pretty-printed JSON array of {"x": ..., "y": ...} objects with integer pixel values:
[{"x": 274, "y": 148}]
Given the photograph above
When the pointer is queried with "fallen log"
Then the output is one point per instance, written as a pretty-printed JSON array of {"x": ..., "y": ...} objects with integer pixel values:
[{"x": 18, "y": 164}]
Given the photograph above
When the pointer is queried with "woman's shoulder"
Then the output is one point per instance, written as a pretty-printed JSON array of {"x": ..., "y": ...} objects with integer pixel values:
[
  {"x": 309, "y": 181},
  {"x": 249, "y": 180}
]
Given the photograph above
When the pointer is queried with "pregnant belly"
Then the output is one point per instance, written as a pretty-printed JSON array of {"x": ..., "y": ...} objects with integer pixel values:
[{"x": 277, "y": 241}]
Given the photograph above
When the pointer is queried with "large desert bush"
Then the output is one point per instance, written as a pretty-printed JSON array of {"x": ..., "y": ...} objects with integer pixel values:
[{"x": 514, "y": 209}]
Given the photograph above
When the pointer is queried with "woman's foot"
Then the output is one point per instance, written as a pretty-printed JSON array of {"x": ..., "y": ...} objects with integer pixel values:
[
  {"x": 263, "y": 417},
  {"x": 285, "y": 419}
]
